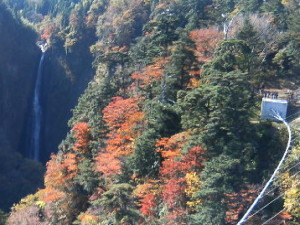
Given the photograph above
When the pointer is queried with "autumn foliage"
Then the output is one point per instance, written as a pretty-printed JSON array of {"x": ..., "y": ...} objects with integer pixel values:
[
  {"x": 61, "y": 170},
  {"x": 148, "y": 203},
  {"x": 124, "y": 120},
  {"x": 108, "y": 164},
  {"x": 48, "y": 31},
  {"x": 54, "y": 176},
  {"x": 206, "y": 41},
  {"x": 81, "y": 133},
  {"x": 151, "y": 73},
  {"x": 237, "y": 203},
  {"x": 171, "y": 147},
  {"x": 174, "y": 188}
]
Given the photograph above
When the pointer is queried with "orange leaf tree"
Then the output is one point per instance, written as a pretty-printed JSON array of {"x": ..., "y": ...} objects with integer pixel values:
[
  {"x": 151, "y": 73},
  {"x": 82, "y": 134},
  {"x": 124, "y": 121},
  {"x": 206, "y": 41}
]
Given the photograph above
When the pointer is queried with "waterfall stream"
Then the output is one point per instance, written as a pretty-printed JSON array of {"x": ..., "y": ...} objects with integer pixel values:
[{"x": 37, "y": 113}]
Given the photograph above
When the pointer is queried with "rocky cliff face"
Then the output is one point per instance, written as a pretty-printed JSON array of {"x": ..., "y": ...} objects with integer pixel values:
[
  {"x": 18, "y": 59},
  {"x": 18, "y": 62},
  {"x": 64, "y": 79}
]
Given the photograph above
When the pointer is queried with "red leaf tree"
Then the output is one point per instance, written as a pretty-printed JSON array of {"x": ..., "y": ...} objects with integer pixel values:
[
  {"x": 176, "y": 165},
  {"x": 125, "y": 122}
]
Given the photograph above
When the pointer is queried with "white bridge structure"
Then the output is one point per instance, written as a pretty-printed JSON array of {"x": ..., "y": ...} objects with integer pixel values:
[{"x": 271, "y": 105}]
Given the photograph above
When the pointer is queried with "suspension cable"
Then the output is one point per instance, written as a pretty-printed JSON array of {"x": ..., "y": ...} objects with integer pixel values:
[
  {"x": 286, "y": 172},
  {"x": 245, "y": 217},
  {"x": 265, "y": 206},
  {"x": 281, "y": 211},
  {"x": 275, "y": 199}
]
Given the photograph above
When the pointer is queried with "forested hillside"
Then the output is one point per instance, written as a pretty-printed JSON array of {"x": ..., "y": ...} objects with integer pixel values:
[{"x": 168, "y": 130}]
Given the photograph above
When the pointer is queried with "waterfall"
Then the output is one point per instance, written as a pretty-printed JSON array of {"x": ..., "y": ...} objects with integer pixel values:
[{"x": 37, "y": 113}]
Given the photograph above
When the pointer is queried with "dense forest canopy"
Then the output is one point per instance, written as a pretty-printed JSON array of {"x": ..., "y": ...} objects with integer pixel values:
[{"x": 168, "y": 130}]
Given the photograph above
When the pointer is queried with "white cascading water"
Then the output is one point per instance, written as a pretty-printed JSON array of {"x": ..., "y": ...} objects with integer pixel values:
[{"x": 37, "y": 111}]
